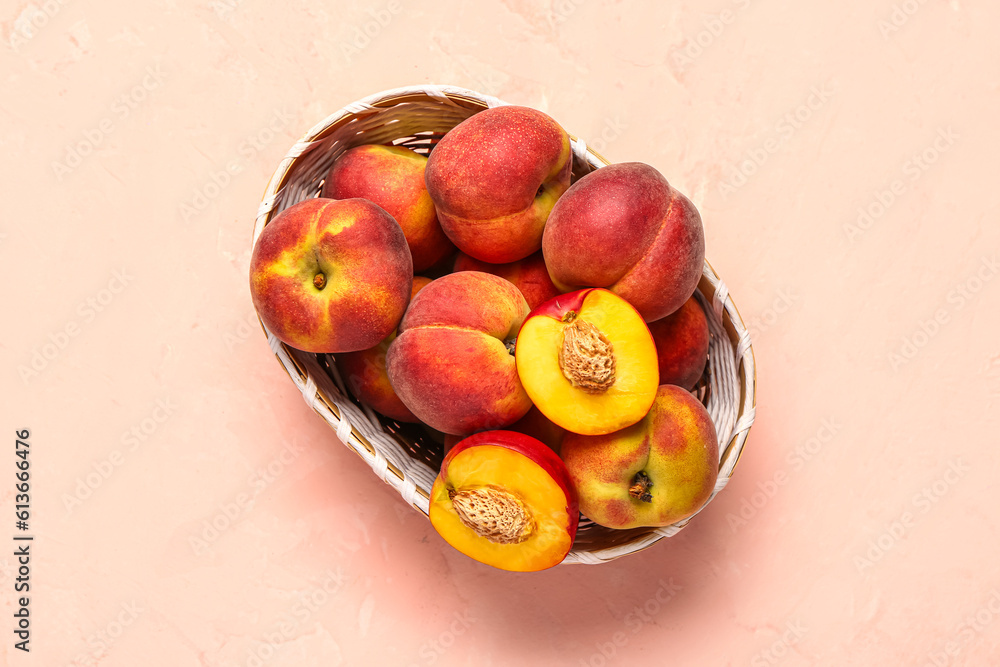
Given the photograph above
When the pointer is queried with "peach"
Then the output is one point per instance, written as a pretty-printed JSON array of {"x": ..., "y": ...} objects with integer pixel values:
[
  {"x": 625, "y": 228},
  {"x": 588, "y": 362},
  {"x": 535, "y": 424},
  {"x": 494, "y": 179},
  {"x": 331, "y": 275},
  {"x": 654, "y": 473},
  {"x": 419, "y": 282},
  {"x": 682, "y": 344},
  {"x": 393, "y": 178},
  {"x": 506, "y": 500},
  {"x": 452, "y": 363},
  {"x": 366, "y": 377},
  {"x": 528, "y": 274}
]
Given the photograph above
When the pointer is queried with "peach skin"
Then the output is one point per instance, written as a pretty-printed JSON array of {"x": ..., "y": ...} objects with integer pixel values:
[
  {"x": 495, "y": 177},
  {"x": 452, "y": 364},
  {"x": 393, "y": 178},
  {"x": 331, "y": 275},
  {"x": 534, "y": 423},
  {"x": 682, "y": 344},
  {"x": 623, "y": 227},
  {"x": 654, "y": 473},
  {"x": 529, "y": 275}
]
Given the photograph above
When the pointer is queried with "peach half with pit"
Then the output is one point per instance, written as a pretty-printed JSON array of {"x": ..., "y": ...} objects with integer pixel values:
[
  {"x": 588, "y": 362},
  {"x": 505, "y": 499}
]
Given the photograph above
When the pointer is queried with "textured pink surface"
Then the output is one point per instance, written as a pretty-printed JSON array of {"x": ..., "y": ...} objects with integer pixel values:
[{"x": 861, "y": 527}]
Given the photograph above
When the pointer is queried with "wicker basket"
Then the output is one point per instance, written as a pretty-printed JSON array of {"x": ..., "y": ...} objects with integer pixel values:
[{"x": 405, "y": 456}]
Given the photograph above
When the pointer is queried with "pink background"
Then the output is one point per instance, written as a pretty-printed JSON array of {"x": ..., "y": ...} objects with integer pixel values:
[{"x": 861, "y": 526}]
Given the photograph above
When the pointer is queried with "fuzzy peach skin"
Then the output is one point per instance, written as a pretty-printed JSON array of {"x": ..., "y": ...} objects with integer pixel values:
[
  {"x": 682, "y": 340},
  {"x": 534, "y": 423},
  {"x": 528, "y": 274},
  {"x": 365, "y": 375},
  {"x": 495, "y": 177},
  {"x": 331, "y": 275},
  {"x": 452, "y": 363},
  {"x": 654, "y": 473},
  {"x": 623, "y": 227},
  {"x": 393, "y": 178}
]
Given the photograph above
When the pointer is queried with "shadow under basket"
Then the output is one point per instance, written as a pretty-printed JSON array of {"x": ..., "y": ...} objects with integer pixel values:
[{"x": 406, "y": 456}]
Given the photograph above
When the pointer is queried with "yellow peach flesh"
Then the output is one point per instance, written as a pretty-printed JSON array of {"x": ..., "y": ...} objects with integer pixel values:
[
  {"x": 485, "y": 466},
  {"x": 628, "y": 398}
]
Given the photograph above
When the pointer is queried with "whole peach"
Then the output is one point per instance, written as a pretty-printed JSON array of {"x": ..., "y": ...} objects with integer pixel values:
[
  {"x": 452, "y": 363},
  {"x": 393, "y": 178},
  {"x": 654, "y": 473},
  {"x": 529, "y": 275},
  {"x": 331, "y": 275},
  {"x": 494, "y": 179},
  {"x": 623, "y": 227}
]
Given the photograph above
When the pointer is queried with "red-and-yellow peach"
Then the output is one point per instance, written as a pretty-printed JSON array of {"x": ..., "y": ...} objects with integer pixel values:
[
  {"x": 654, "y": 473},
  {"x": 623, "y": 227},
  {"x": 452, "y": 363},
  {"x": 331, "y": 275},
  {"x": 494, "y": 179}
]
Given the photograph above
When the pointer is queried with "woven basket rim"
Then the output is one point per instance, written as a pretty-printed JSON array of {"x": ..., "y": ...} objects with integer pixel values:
[{"x": 414, "y": 495}]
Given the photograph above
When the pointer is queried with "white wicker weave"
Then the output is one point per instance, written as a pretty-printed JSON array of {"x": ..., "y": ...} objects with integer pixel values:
[{"x": 403, "y": 456}]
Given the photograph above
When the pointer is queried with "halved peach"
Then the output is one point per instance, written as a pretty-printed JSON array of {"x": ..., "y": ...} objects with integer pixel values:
[
  {"x": 505, "y": 499},
  {"x": 587, "y": 360}
]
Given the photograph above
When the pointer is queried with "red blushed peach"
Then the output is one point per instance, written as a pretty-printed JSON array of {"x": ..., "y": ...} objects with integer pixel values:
[
  {"x": 534, "y": 423},
  {"x": 588, "y": 362},
  {"x": 654, "y": 473},
  {"x": 494, "y": 179},
  {"x": 419, "y": 282},
  {"x": 529, "y": 275},
  {"x": 452, "y": 364},
  {"x": 682, "y": 344},
  {"x": 623, "y": 227},
  {"x": 393, "y": 178},
  {"x": 331, "y": 275},
  {"x": 366, "y": 377},
  {"x": 505, "y": 499},
  {"x": 364, "y": 373}
]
